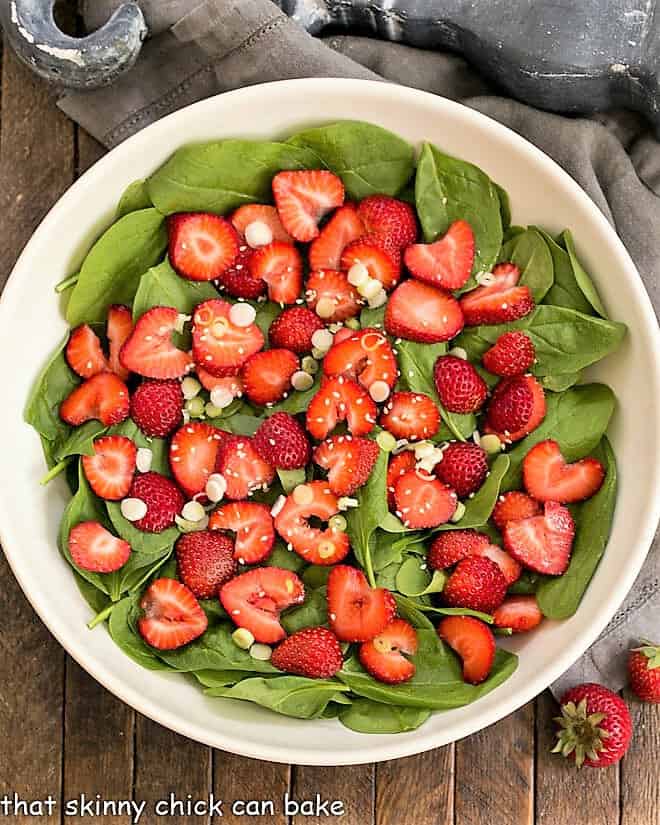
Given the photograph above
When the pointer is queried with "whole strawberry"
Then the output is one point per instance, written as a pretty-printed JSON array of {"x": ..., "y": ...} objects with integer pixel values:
[
  {"x": 464, "y": 467},
  {"x": 313, "y": 652},
  {"x": 644, "y": 670},
  {"x": 478, "y": 583},
  {"x": 205, "y": 562},
  {"x": 595, "y": 727},
  {"x": 282, "y": 442},
  {"x": 512, "y": 354},
  {"x": 459, "y": 385},
  {"x": 156, "y": 407},
  {"x": 163, "y": 498},
  {"x": 293, "y": 329}
]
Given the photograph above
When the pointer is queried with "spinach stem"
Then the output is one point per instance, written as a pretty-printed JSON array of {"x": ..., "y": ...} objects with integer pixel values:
[
  {"x": 67, "y": 283},
  {"x": 102, "y": 616},
  {"x": 55, "y": 471},
  {"x": 368, "y": 567}
]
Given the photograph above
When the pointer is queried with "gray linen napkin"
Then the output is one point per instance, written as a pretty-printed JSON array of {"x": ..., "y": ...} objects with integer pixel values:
[{"x": 201, "y": 48}]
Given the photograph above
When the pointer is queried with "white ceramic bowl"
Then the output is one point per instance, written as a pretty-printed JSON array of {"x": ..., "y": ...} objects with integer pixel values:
[{"x": 541, "y": 193}]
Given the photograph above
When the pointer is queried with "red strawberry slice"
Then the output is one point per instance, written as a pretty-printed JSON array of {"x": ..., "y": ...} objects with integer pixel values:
[
  {"x": 385, "y": 655},
  {"x": 548, "y": 477},
  {"x": 110, "y": 470},
  {"x": 399, "y": 464},
  {"x": 231, "y": 383},
  {"x": 499, "y": 303},
  {"x": 317, "y": 546},
  {"x": 343, "y": 228},
  {"x": 205, "y": 561},
  {"x": 512, "y": 354},
  {"x": 447, "y": 262},
  {"x": 473, "y": 641},
  {"x": 410, "y": 415},
  {"x": 303, "y": 198},
  {"x": 313, "y": 652},
  {"x": 254, "y": 600},
  {"x": 509, "y": 567},
  {"x": 220, "y": 346},
  {"x": 464, "y": 467},
  {"x": 238, "y": 281},
  {"x": 365, "y": 356},
  {"x": 390, "y": 218},
  {"x": 378, "y": 255},
  {"x": 194, "y": 454},
  {"x": 423, "y": 500},
  {"x": 280, "y": 265},
  {"x": 349, "y": 461},
  {"x": 515, "y": 400},
  {"x": 260, "y": 213},
  {"x": 542, "y": 543},
  {"x": 330, "y": 291},
  {"x": 514, "y": 506},
  {"x": 242, "y": 467},
  {"x": 103, "y": 397},
  {"x": 340, "y": 399},
  {"x": 477, "y": 583},
  {"x": 422, "y": 313},
  {"x": 94, "y": 548},
  {"x": 266, "y": 376},
  {"x": 252, "y": 525},
  {"x": 84, "y": 354},
  {"x": 149, "y": 350},
  {"x": 460, "y": 387},
  {"x": 201, "y": 246},
  {"x": 119, "y": 328},
  {"x": 172, "y": 615},
  {"x": 519, "y": 613},
  {"x": 357, "y": 612}
]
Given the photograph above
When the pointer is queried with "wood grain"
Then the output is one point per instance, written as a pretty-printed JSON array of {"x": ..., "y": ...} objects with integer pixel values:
[
  {"x": 239, "y": 780},
  {"x": 354, "y": 786},
  {"x": 640, "y": 788},
  {"x": 418, "y": 790}
]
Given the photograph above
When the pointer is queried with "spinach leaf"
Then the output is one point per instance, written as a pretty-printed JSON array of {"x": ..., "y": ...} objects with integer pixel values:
[
  {"x": 134, "y": 198},
  {"x": 140, "y": 568},
  {"x": 565, "y": 291},
  {"x": 415, "y": 579},
  {"x": 365, "y": 716},
  {"x": 530, "y": 252},
  {"x": 312, "y": 613},
  {"x": 369, "y": 159},
  {"x": 415, "y": 612},
  {"x": 220, "y": 678},
  {"x": 215, "y": 650},
  {"x": 365, "y": 518},
  {"x": 527, "y": 584},
  {"x": 286, "y": 559},
  {"x": 111, "y": 271},
  {"x": 267, "y": 312},
  {"x": 559, "y": 383},
  {"x": 123, "y": 631},
  {"x": 582, "y": 278},
  {"x": 315, "y": 576},
  {"x": 141, "y": 542},
  {"x": 373, "y": 317},
  {"x": 161, "y": 286},
  {"x": 80, "y": 441},
  {"x": 479, "y": 508},
  {"x": 505, "y": 207},
  {"x": 55, "y": 383},
  {"x": 297, "y": 402},
  {"x": 159, "y": 447},
  {"x": 94, "y": 597},
  {"x": 241, "y": 424}
]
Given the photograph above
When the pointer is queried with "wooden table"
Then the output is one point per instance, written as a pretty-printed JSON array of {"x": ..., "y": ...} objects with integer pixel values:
[{"x": 63, "y": 734}]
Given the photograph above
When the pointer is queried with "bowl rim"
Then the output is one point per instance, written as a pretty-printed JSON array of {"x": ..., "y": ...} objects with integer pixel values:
[{"x": 409, "y": 744}]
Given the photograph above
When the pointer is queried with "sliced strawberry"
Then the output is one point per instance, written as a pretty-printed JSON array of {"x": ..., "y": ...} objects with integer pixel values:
[
  {"x": 238, "y": 281},
  {"x": 389, "y": 217},
  {"x": 330, "y": 295},
  {"x": 477, "y": 583},
  {"x": 201, "y": 246},
  {"x": 512, "y": 354},
  {"x": 252, "y": 525},
  {"x": 500, "y": 302},
  {"x": 103, "y": 397},
  {"x": 343, "y": 228},
  {"x": 242, "y": 467},
  {"x": 357, "y": 612},
  {"x": 447, "y": 262},
  {"x": 519, "y": 613},
  {"x": 293, "y": 329},
  {"x": 205, "y": 561},
  {"x": 410, "y": 415},
  {"x": 542, "y": 543},
  {"x": 172, "y": 615},
  {"x": 149, "y": 350},
  {"x": 548, "y": 477},
  {"x": 84, "y": 353},
  {"x": 266, "y": 376},
  {"x": 280, "y": 265},
  {"x": 509, "y": 405},
  {"x": 349, "y": 461},
  {"x": 399, "y": 464},
  {"x": 423, "y": 500},
  {"x": 260, "y": 213},
  {"x": 220, "y": 346},
  {"x": 473, "y": 641},
  {"x": 94, "y": 548},
  {"x": 193, "y": 455},
  {"x": 378, "y": 255},
  {"x": 514, "y": 506},
  {"x": 341, "y": 399},
  {"x": 385, "y": 655},
  {"x": 313, "y": 652},
  {"x": 365, "y": 356},
  {"x": 420, "y": 312},
  {"x": 119, "y": 328},
  {"x": 232, "y": 383},
  {"x": 110, "y": 470},
  {"x": 317, "y": 546},
  {"x": 254, "y": 600},
  {"x": 303, "y": 198},
  {"x": 509, "y": 567},
  {"x": 342, "y": 334}
]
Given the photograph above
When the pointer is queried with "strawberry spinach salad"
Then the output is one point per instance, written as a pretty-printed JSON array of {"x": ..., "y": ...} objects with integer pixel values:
[{"x": 322, "y": 416}]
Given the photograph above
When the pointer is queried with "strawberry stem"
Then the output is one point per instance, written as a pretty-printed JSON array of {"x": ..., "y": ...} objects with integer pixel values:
[
  {"x": 67, "y": 283},
  {"x": 55, "y": 471},
  {"x": 102, "y": 616}
]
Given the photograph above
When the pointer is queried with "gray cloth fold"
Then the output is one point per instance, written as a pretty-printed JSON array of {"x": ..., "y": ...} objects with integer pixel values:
[{"x": 201, "y": 48}]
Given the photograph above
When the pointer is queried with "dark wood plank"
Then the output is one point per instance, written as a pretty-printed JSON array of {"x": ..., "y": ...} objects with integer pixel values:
[
  {"x": 353, "y": 786},
  {"x": 238, "y": 780},
  {"x": 418, "y": 790},
  {"x": 495, "y": 773},
  {"x": 640, "y": 789}
]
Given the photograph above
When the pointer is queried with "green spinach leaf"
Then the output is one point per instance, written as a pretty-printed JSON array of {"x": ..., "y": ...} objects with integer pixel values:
[
  {"x": 122, "y": 628},
  {"x": 479, "y": 508},
  {"x": 134, "y": 198},
  {"x": 565, "y": 291},
  {"x": 529, "y": 251},
  {"x": 366, "y": 716},
  {"x": 81, "y": 440},
  {"x": 559, "y": 383},
  {"x": 582, "y": 277},
  {"x": 312, "y": 613},
  {"x": 215, "y": 650},
  {"x": 55, "y": 383},
  {"x": 161, "y": 286},
  {"x": 371, "y": 510},
  {"x": 415, "y": 579}
]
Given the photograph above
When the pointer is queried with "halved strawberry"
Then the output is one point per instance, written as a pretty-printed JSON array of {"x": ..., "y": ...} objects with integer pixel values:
[
  {"x": 365, "y": 356},
  {"x": 254, "y": 600},
  {"x": 201, "y": 245},
  {"x": 94, "y": 548},
  {"x": 149, "y": 350},
  {"x": 242, "y": 467},
  {"x": 520, "y": 613},
  {"x": 385, "y": 655},
  {"x": 304, "y": 197},
  {"x": 542, "y": 543},
  {"x": 447, "y": 262},
  {"x": 119, "y": 328},
  {"x": 423, "y": 500},
  {"x": 399, "y": 464},
  {"x": 390, "y": 218},
  {"x": 232, "y": 383},
  {"x": 420, "y": 312},
  {"x": 266, "y": 375},
  {"x": 380, "y": 257},
  {"x": 103, "y": 397},
  {"x": 84, "y": 353},
  {"x": 280, "y": 265},
  {"x": 238, "y": 281},
  {"x": 172, "y": 615},
  {"x": 343, "y": 228},
  {"x": 220, "y": 346},
  {"x": 548, "y": 477},
  {"x": 330, "y": 292},
  {"x": 252, "y": 525},
  {"x": 356, "y": 611},
  {"x": 194, "y": 454},
  {"x": 515, "y": 400},
  {"x": 500, "y": 302},
  {"x": 260, "y": 213},
  {"x": 410, "y": 415},
  {"x": 349, "y": 461},
  {"x": 110, "y": 470},
  {"x": 514, "y": 506},
  {"x": 315, "y": 545},
  {"x": 340, "y": 399},
  {"x": 473, "y": 641}
]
